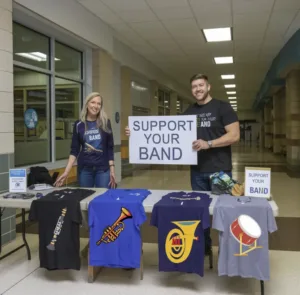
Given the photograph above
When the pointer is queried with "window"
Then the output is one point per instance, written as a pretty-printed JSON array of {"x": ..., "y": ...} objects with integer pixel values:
[
  {"x": 163, "y": 103},
  {"x": 30, "y": 47},
  {"x": 44, "y": 118},
  {"x": 179, "y": 106},
  {"x": 67, "y": 98}
]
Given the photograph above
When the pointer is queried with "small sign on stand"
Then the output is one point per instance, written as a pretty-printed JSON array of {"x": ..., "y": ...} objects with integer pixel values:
[
  {"x": 258, "y": 182},
  {"x": 17, "y": 180}
]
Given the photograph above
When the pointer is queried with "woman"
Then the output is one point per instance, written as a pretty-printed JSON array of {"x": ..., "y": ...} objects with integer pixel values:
[{"x": 92, "y": 146}]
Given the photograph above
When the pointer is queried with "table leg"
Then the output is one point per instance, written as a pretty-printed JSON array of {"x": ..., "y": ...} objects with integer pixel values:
[
  {"x": 24, "y": 234},
  {"x": 92, "y": 271},
  {"x": 262, "y": 288},
  {"x": 23, "y": 237},
  {"x": 211, "y": 259}
]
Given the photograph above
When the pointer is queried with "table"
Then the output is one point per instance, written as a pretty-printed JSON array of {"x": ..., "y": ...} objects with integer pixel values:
[{"x": 148, "y": 203}]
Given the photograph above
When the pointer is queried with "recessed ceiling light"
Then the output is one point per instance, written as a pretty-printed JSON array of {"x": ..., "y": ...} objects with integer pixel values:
[
  {"x": 229, "y": 85},
  {"x": 232, "y": 101},
  {"x": 226, "y": 77},
  {"x": 37, "y": 56},
  {"x": 232, "y": 97},
  {"x": 231, "y": 92},
  {"x": 217, "y": 35},
  {"x": 224, "y": 60}
]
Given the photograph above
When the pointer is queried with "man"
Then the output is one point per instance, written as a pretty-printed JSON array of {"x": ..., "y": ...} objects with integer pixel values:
[{"x": 217, "y": 129}]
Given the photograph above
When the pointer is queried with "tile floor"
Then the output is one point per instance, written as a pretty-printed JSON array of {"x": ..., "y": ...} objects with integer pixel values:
[{"x": 19, "y": 276}]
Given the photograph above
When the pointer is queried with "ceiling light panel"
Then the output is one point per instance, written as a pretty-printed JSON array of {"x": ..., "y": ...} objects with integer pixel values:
[
  {"x": 226, "y": 77},
  {"x": 231, "y": 92},
  {"x": 217, "y": 35},
  {"x": 223, "y": 60},
  {"x": 229, "y": 85}
]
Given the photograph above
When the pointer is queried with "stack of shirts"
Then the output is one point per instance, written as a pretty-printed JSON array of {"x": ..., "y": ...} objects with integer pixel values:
[
  {"x": 59, "y": 218},
  {"x": 181, "y": 219},
  {"x": 115, "y": 218},
  {"x": 244, "y": 224}
]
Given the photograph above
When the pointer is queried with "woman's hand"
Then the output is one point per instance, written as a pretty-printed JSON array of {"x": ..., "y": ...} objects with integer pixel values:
[
  {"x": 61, "y": 179},
  {"x": 127, "y": 131},
  {"x": 112, "y": 183}
]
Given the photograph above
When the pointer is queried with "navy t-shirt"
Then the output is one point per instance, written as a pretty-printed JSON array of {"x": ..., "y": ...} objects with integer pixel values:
[
  {"x": 114, "y": 220},
  {"x": 92, "y": 146},
  {"x": 181, "y": 219}
]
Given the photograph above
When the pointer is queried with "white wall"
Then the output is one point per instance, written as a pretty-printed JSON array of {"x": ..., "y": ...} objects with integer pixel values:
[
  {"x": 67, "y": 13},
  {"x": 138, "y": 97}
]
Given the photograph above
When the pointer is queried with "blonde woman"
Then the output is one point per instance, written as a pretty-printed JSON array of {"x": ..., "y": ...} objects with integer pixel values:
[{"x": 93, "y": 147}]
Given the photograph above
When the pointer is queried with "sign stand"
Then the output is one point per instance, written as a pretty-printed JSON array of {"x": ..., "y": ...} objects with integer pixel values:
[{"x": 17, "y": 181}]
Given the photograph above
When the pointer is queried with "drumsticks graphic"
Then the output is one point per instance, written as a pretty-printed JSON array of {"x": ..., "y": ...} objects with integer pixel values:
[{"x": 57, "y": 229}]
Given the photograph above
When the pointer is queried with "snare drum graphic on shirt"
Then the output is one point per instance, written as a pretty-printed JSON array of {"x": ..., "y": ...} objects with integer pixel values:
[
  {"x": 179, "y": 242},
  {"x": 246, "y": 231}
]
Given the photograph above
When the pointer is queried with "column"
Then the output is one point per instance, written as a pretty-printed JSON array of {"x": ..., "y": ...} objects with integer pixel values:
[
  {"x": 173, "y": 104},
  {"x": 293, "y": 122},
  {"x": 126, "y": 111},
  {"x": 268, "y": 126},
  {"x": 262, "y": 130},
  {"x": 154, "y": 97},
  {"x": 279, "y": 122},
  {"x": 6, "y": 115},
  {"x": 105, "y": 81}
]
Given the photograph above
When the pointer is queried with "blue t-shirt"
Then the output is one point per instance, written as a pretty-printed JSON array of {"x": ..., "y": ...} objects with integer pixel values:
[
  {"x": 128, "y": 194},
  {"x": 181, "y": 219},
  {"x": 114, "y": 221}
]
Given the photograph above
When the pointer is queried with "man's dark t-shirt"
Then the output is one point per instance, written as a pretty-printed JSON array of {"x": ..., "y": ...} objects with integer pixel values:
[
  {"x": 211, "y": 121},
  {"x": 59, "y": 218}
]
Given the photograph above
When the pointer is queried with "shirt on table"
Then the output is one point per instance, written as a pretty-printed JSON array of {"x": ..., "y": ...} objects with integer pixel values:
[
  {"x": 115, "y": 239},
  {"x": 254, "y": 218},
  {"x": 181, "y": 219},
  {"x": 128, "y": 194},
  {"x": 59, "y": 217},
  {"x": 211, "y": 121}
]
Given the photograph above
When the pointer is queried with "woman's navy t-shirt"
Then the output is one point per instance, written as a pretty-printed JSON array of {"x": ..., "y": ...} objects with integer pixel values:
[{"x": 92, "y": 146}]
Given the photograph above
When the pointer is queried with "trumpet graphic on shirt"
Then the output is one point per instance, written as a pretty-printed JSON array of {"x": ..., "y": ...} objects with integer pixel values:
[
  {"x": 179, "y": 241},
  {"x": 111, "y": 233},
  {"x": 90, "y": 148},
  {"x": 57, "y": 229}
]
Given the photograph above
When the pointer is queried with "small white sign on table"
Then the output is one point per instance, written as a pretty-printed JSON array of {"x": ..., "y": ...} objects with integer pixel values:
[
  {"x": 162, "y": 140},
  {"x": 258, "y": 182},
  {"x": 17, "y": 181}
]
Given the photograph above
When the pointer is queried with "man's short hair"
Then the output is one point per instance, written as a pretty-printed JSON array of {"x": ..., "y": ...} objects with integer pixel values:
[{"x": 197, "y": 77}]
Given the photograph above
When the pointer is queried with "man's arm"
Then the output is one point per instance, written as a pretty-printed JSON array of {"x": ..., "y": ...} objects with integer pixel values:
[{"x": 232, "y": 136}]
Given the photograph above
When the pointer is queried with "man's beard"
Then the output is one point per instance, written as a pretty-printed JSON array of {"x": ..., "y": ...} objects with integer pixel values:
[{"x": 205, "y": 95}]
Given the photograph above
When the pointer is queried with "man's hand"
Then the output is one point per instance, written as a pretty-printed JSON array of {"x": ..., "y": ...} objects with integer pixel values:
[
  {"x": 200, "y": 145},
  {"x": 127, "y": 131}
]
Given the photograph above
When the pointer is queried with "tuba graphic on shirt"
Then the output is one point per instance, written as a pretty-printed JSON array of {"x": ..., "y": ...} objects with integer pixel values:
[{"x": 179, "y": 241}]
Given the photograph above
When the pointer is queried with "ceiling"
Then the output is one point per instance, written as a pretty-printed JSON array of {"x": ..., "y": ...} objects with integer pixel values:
[{"x": 168, "y": 33}]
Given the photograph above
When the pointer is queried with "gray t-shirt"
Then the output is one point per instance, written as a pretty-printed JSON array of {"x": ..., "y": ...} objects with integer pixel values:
[{"x": 242, "y": 222}]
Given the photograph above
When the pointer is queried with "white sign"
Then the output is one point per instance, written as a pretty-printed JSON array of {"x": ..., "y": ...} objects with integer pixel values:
[
  {"x": 162, "y": 140},
  {"x": 17, "y": 181},
  {"x": 258, "y": 182}
]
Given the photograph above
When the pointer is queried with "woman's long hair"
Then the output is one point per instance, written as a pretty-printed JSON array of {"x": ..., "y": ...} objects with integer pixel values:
[{"x": 102, "y": 119}]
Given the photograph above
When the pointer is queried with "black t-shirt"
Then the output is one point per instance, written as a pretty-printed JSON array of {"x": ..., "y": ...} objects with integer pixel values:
[
  {"x": 211, "y": 121},
  {"x": 59, "y": 218}
]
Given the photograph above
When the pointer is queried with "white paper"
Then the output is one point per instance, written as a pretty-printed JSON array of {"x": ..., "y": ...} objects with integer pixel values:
[
  {"x": 162, "y": 140},
  {"x": 258, "y": 182}
]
